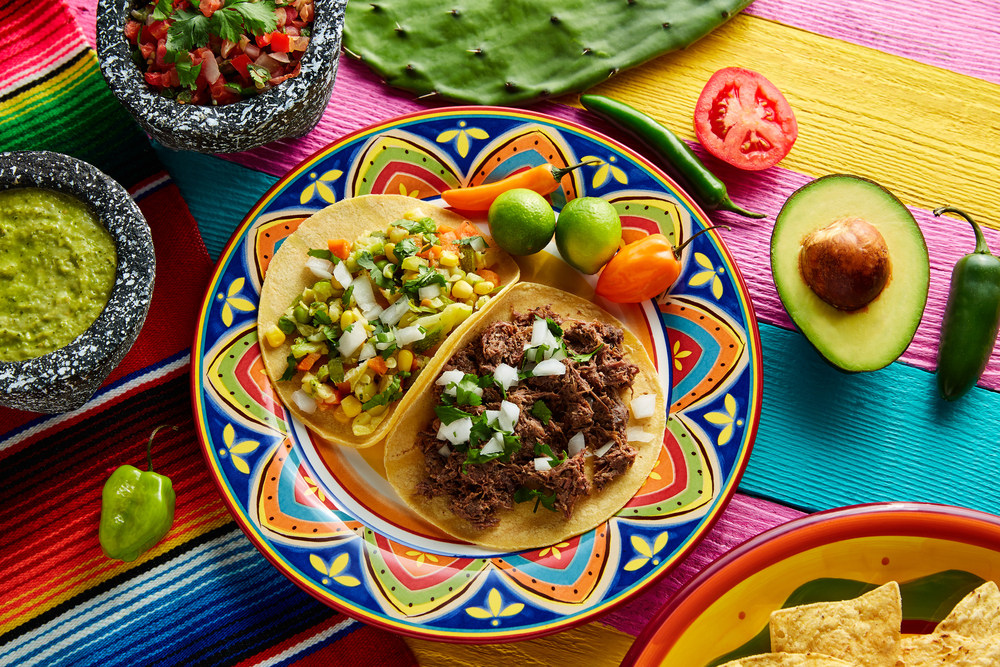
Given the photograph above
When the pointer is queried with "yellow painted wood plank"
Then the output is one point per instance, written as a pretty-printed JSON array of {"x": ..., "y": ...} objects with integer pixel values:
[
  {"x": 593, "y": 645},
  {"x": 930, "y": 136}
]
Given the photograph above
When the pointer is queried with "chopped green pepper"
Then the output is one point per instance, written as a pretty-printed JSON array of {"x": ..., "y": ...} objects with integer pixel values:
[{"x": 137, "y": 508}]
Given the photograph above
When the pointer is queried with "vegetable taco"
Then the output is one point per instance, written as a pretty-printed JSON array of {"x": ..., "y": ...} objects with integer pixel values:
[
  {"x": 357, "y": 302},
  {"x": 545, "y": 419}
]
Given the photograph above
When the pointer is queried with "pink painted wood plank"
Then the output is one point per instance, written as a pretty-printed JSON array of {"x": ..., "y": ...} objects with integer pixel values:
[
  {"x": 745, "y": 517},
  {"x": 958, "y": 35}
]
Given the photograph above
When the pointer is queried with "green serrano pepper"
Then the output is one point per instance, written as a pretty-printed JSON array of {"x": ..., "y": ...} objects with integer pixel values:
[
  {"x": 971, "y": 317},
  {"x": 683, "y": 163}
]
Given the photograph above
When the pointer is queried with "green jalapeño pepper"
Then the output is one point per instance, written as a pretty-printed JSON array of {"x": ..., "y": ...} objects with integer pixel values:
[
  {"x": 971, "y": 317},
  {"x": 137, "y": 509}
]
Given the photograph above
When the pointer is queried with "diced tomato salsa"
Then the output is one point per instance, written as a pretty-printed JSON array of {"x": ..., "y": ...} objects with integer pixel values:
[{"x": 219, "y": 70}]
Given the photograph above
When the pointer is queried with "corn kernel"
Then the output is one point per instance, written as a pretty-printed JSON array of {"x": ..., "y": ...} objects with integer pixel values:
[
  {"x": 404, "y": 361},
  {"x": 461, "y": 290},
  {"x": 448, "y": 258},
  {"x": 397, "y": 234},
  {"x": 389, "y": 255},
  {"x": 351, "y": 406},
  {"x": 275, "y": 336},
  {"x": 484, "y": 287},
  {"x": 341, "y": 416},
  {"x": 346, "y": 319}
]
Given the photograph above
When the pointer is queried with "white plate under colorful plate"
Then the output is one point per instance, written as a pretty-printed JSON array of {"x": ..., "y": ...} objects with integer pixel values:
[{"x": 326, "y": 517}]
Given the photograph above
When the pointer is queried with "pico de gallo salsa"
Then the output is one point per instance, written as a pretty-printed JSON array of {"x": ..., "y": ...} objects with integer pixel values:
[{"x": 212, "y": 52}]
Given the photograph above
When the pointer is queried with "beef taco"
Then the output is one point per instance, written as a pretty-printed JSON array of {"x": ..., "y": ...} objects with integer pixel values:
[
  {"x": 357, "y": 302},
  {"x": 546, "y": 418}
]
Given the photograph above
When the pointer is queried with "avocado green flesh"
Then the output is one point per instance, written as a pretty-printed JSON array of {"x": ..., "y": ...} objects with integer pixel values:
[{"x": 874, "y": 336}]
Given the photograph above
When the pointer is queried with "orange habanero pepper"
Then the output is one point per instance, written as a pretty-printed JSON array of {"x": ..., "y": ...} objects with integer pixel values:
[{"x": 642, "y": 269}]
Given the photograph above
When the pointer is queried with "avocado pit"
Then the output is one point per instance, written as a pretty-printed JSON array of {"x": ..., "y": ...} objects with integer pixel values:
[{"x": 846, "y": 264}]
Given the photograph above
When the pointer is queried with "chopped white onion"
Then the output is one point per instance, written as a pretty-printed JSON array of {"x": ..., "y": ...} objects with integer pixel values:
[
  {"x": 372, "y": 313},
  {"x": 394, "y": 313},
  {"x": 538, "y": 330},
  {"x": 604, "y": 450},
  {"x": 478, "y": 243},
  {"x": 509, "y": 413},
  {"x": 576, "y": 444},
  {"x": 445, "y": 451},
  {"x": 321, "y": 268},
  {"x": 491, "y": 417},
  {"x": 560, "y": 353},
  {"x": 494, "y": 446},
  {"x": 342, "y": 275},
  {"x": 548, "y": 367},
  {"x": 542, "y": 464},
  {"x": 447, "y": 378},
  {"x": 643, "y": 406},
  {"x": 304, "y": 401},
  {"x": 363, "y": 293},
  {"x": 409, "y": 335},
  {"x": 505, "y": 375},
  {"x": 456, "y": 432},
  {"x": 367, "y": 351},
  {"x": 351, "y": 341},
  {"x": 385, "y": 346},
  {"x": 636, "y": 434},
  {"x": 429, "y": 292}
]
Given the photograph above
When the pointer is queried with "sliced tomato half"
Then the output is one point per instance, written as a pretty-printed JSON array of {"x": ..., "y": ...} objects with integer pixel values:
[{"x": 743, "y": 118}]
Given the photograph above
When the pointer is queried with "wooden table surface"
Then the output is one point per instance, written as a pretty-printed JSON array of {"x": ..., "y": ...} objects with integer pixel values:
[{"x": 907, "y": 94}]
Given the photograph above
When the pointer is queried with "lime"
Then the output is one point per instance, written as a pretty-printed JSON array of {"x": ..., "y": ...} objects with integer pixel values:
[
  {"x": 521, "y": 221},
  {"x": 588, "y": 233}
]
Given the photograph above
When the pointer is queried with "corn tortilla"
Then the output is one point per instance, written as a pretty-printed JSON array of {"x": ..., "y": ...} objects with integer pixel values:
[
  {"x": 287, "y": 276},
  {"x": 520, "y": 527}
]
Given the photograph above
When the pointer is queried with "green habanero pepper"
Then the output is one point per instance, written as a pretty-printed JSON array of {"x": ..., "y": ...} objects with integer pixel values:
[
  {"x": 683, "y": 163},
  {"x": 137, "y": 509},
  {"x": 971, "y": 317}
]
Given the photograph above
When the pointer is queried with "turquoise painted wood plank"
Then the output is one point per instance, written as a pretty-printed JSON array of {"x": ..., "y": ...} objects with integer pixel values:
[
  {"x": 828, "y": 439},
  {"x": 219, "y": 193}
]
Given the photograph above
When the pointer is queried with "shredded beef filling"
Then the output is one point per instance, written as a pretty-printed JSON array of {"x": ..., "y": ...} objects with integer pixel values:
[{"x": 584, "y": 400}]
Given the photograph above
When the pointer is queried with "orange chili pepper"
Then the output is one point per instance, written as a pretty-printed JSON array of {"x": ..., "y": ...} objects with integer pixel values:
[
  {"x": 642, "y": 269},
  {"x": 543, "y": 179},
  {"x": 339, "y": 247},
  {"x": 308, "y": 361}
]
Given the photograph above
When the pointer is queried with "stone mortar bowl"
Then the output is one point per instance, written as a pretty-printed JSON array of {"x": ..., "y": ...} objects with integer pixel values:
[
  {"x": 290, "y": 109},
  {"x": 65, "y": 379}
]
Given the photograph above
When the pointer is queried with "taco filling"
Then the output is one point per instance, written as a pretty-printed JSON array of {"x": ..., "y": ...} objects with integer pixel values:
[
  {"x": 523, "y": 409},
  {"x": 379, "y": 307}
]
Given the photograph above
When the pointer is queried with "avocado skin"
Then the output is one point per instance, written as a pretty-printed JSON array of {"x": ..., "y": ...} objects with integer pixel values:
[{"x": 821, "y": 194}]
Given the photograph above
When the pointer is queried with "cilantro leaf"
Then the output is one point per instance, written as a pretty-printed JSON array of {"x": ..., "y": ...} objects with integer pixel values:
[
  {"x": 481, "y": 432},
  {"x": 540, "y": 410},
  {"x": 582, "y": 358},
  {"x": 386, "y": 396},
  {"x": 365, "y": 260},
  {"x": 227, "y": 25},
  {"x": 258, "y": 74},
  {"x": 543, "y": 449},
  {"x": 258, "y": 17},
  {"x": 554, "y": 327},
  {"x": 427, "y": 277},
  {"x": 468, "y": 240},
  {"x": 188, "y": 31},
  {"x": 345, "y": 300},
  {"x": 547, "y": 500},
  {"x": 421, "y": 226},
  {"x": 291, "y": 370},
  {"x": 486, "y": 381},
  {"x": 163, "y": 10},
  {"x": 449, "y": 413},
  {"x": 405, "y": 248},
  {"x": 467, "y": 391},
  {"x": 319, "y": 252},
  {"x": 188, "y": 74}
]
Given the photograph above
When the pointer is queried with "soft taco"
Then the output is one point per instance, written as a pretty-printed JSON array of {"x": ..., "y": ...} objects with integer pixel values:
[
  {"x": 359, "y": 299},
  {"x": 547, "y": 417}
]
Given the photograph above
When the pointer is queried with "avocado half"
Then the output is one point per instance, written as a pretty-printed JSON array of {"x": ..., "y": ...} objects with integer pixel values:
[{"x": 874, "y": 335}]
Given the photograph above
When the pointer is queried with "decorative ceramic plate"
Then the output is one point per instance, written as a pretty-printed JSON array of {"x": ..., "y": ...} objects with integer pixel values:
[
  {"x": 325, "y": 515},
  {"x": 936, "y": 553}
]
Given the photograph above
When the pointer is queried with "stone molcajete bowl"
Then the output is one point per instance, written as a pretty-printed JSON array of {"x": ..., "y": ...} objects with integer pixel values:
[
  {"x": 65, "y": 379},
  {"x": 290, "y": 109}
]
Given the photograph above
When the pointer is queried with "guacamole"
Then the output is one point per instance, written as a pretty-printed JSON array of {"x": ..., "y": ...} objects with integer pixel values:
[{"x": 57, "y": 269}]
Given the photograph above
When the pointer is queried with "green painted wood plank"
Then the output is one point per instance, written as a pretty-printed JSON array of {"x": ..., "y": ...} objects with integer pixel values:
[
  {"x": 828, "y": 439},
  {"x": 219, "y": 193}
]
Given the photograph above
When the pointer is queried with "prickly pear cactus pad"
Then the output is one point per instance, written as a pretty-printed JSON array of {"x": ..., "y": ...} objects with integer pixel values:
[{"x": 518, "y": 51}]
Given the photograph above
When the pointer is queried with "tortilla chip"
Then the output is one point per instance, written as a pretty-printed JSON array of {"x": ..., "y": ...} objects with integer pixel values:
[
  {"x": 927, "y": 650},
  {"x": 788, "y": 660},
  {"x": 984, "y": 652},
  {"x": 521, "y": 527},
  {"x": 287, "y": 276},
  {"x": 865, "y": 630},
  {"x": 977, "y": 615}
]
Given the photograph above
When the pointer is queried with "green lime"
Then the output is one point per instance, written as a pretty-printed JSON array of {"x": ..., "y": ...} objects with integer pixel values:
[
  {"x": 588, "y": 233},
  {"x": 521, "y": 221}
]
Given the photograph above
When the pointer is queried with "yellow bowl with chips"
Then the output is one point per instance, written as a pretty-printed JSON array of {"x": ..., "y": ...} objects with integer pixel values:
[{"x": 936, "y": 553}]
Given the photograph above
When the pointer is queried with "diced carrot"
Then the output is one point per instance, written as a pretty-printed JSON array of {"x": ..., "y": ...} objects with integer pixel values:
[
  {"x": 491, "y": 276},
  {"x": 468, "y": 229},
  {"x": 447, "y": 238},
  {"x": 445, "y": 229},
  {"x": 378, "y": 365},
  {"x": 308, "y": 361},
  {"x": 340, "y": 247}
]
